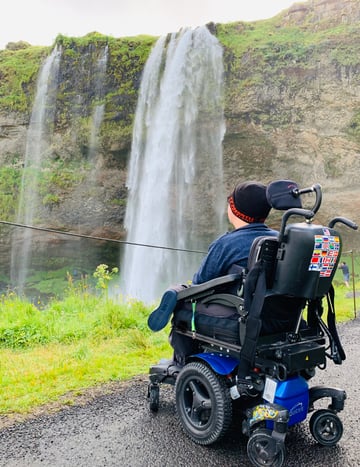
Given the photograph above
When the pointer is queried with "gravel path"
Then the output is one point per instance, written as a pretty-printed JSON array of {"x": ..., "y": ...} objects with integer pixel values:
[{"x": 117, "y": 429}]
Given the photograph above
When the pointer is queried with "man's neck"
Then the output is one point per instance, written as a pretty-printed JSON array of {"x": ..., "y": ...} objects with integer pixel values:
[{"x": 238, "y": 223}]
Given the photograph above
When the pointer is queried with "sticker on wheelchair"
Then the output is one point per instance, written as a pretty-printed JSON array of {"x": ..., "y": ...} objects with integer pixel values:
[
  {"x": 325, "y": 253},
  {"x": 269, "y": 390}
]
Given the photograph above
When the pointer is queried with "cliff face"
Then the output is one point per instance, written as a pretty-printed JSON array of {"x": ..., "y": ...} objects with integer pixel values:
[
  {"x": 74, "y": 193},
  {"x": 293, "y": 101},
  {"x": 292, "y": 110}
]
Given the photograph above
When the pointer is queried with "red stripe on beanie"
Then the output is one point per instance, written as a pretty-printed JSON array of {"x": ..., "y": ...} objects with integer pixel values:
[{"x": 241, "y": 215}]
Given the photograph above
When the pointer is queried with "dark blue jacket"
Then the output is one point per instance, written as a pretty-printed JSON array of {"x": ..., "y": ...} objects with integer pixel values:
[{"x": 229, "y": 249}]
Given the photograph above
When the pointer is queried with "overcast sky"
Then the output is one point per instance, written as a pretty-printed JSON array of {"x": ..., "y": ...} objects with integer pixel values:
[{"x": 40, "y": 21}]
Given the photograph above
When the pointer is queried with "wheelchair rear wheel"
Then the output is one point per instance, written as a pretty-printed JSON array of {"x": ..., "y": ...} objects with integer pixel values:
[{"x": 203, "y": 403}]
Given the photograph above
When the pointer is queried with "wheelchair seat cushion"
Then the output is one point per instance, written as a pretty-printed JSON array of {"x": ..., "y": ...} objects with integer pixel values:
[
  {"x": 279, "y": 314},
  {"x": 217, "y": 321}
]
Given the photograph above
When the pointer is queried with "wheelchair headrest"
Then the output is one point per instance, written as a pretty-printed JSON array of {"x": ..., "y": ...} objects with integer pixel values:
[{"x": 283, "y": 195}]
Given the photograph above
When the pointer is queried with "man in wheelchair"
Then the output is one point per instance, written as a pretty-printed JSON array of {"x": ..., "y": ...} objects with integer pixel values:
[
  {"x": 247, "y": 211},
  {"x": 239, "y": 332}
]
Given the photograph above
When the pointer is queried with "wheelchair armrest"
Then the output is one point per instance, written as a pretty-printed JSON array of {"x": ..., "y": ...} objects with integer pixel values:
[
  {"x": 227, "y": 299},
  {"x": 207, "y": 288}
]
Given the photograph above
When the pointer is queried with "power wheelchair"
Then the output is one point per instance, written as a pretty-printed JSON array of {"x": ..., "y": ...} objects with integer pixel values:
[{"x": 236, "y": 364}]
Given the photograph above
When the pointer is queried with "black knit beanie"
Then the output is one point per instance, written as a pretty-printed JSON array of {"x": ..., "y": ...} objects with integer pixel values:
[{"x": 248, "y": 202}]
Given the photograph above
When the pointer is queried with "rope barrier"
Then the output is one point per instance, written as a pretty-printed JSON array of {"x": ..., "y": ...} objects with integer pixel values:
[{"x": 72, "y": 234}]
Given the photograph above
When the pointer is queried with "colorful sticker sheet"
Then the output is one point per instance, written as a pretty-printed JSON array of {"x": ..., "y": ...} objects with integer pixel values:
[{"x": 325, "y": 254}]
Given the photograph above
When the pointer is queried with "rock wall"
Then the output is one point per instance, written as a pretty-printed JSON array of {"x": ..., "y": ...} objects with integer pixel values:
[
  {"x": 292, "y": 110},
  {"x": 293, "y": 104}
]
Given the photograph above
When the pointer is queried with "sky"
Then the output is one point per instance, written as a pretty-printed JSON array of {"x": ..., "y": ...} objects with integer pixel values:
[{"x": 40, "y": 21}]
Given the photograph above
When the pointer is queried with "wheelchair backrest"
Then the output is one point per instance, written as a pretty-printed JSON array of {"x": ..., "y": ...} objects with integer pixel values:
[
  {"x": 303, "y": 260},
  {"x": 306, "y": 261},
  {"x": 303, "y": 264},
  {"x": 307, "y": 254},
  {"x": 298, "y": 266}
]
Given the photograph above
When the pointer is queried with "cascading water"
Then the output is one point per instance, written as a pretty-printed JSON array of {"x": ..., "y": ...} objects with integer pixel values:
[
  {"x": 87, "y": 190},
  {"x": 41, "y": 121},
  {"x": 97, "y": 119},
  {"x": 33, "y": 252},
  {"x": 175, "y": 180},
  {"x": 98, "y": 113}
]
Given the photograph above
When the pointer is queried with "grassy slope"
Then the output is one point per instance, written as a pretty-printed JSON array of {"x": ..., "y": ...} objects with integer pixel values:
[{"x": 79, "y": 343}]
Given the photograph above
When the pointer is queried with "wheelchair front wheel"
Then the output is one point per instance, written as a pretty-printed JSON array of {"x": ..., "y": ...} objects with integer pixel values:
[
  {"x": 203, "y": 403},
  {"x": 154, "y": 397},
  {"x": 264, "y": 450},
  {"x": 326, "y": 427}
]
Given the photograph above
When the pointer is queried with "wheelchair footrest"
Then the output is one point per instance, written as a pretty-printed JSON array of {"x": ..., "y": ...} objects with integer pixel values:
[{"x": 165, "y": 372}]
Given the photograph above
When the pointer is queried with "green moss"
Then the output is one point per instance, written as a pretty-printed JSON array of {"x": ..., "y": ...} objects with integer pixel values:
[
  {"x": 267, "y": 55},
  {"x": 10, "y": 180},
  {"x": 347, "y": 54},
  {"x": 354, "y": 127},
  {"x": 51, "y": 200},
  {"x": 59, "y": 177},
  {"x": 18, "y": 73},
  {"x": 19, "y": 70}
]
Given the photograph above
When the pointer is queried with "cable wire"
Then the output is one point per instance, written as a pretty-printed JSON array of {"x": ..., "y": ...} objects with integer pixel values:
[{"x": 72, "y": 234}]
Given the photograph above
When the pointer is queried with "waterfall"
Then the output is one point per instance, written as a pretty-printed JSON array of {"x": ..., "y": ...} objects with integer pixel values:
[
  {"x": 98, "y": 112},
  {"x": 93, "y": 210},
  {"x": 41, "y": 120},
  {"x": 97, "y": 119},
  {"x": 175, "y": 179}
]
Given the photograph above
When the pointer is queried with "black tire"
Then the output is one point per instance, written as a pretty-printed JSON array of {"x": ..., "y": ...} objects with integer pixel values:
[
  {"x": 264, "y": 450},
  {"x": 154, "y": 397},
  {"x": 326, "y": 427},
  {"x": 203, "y": 403}
]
